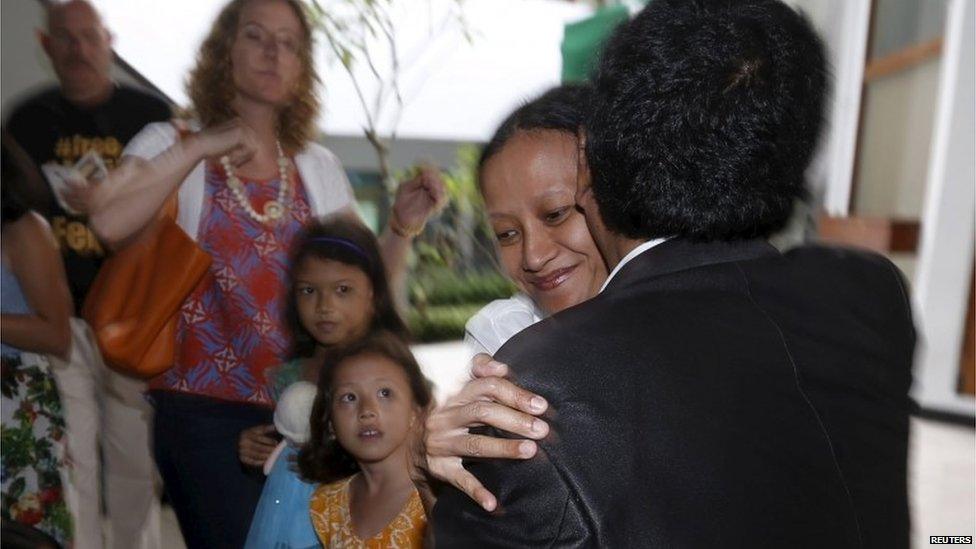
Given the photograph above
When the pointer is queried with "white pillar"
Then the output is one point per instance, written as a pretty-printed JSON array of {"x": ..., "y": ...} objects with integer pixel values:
[
  {"x": 843, "y": 25},
  {"x": 945, "y": 261}
]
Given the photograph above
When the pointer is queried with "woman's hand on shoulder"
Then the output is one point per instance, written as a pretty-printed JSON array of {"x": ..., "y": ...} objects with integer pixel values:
[{"x": 488, "y": 399}]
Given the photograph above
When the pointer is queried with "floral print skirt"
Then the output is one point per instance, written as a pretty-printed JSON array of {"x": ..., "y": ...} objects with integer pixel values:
[{"x": 32, "y": 440}]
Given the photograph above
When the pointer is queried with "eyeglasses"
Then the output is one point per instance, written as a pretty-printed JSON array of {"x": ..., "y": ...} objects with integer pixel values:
[
  {"x": 258, "y": 36},
  {"x": 67, "y": 38}
]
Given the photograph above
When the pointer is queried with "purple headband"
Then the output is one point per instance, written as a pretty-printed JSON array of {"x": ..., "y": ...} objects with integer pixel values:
[{"x": 348, "y": 244}]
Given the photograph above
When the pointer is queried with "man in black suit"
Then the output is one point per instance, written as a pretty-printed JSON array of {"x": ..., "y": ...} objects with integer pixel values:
[{"x": 717, "y": 393}]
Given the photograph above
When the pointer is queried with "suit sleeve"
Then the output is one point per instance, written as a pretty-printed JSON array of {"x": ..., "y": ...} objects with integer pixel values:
[{"x": 536, "y": 509}]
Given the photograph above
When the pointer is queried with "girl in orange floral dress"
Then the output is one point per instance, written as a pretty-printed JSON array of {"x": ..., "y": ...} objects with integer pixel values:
[{"x": 369, "y": 403}]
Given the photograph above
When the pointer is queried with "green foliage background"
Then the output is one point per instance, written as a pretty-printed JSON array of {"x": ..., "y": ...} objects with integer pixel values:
[{"x": 454, "y": 271}]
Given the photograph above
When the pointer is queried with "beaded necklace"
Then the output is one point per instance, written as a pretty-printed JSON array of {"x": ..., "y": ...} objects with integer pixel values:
[{"x": 273, "y": 209}]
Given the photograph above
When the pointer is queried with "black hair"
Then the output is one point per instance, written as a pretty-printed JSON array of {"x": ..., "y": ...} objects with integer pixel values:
[
  {"x": 705, "y": 116},
  {"x": 322, "y": 459},
  {"x": 13, "y": 177},
  {"x": 348, "y": 241},
  {"x": 562, "y": 109}
]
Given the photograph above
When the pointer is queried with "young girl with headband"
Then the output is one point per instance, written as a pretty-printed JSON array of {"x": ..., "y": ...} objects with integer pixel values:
[{"x": 338, "y": 294}]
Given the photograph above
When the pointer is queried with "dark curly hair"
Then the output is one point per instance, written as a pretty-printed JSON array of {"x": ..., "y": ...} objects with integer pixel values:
[
  {"x": 705, "y": 116},
  {"x": 348, "y": 241},
  {"x": 322, "y": 459},
  {"x": 562, "y": 109}
]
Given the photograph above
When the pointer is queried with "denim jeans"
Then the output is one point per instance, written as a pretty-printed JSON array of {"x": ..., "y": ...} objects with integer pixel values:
[{"x": 212, "y": 492}]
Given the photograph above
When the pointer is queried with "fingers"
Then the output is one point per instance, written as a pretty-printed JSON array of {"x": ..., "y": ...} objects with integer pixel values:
[
  {"x": 469, "y": 484},
  {"x": 435, "y": 186},
  {"x": 254, "y": 459},
  {"x": 447, "y": 423},
  {"x": 428, "y": 180},
  {"x": 182, "y": 125},
  {"x": 233, "y": 139},
  {"x": 77, "y": 195},
  {"x": 262, "y": 435},
  {"x": 256, "y": 444},
  {"x": 484, "y": 447},
  {"x": 450, "y": 470},
  {"x": 483, "y": 365},
  {"x": 240, "y": 155},
  {"x": 503, "y": 391}
]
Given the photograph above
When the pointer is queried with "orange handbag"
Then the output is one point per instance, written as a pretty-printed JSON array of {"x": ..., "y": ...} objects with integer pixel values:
[{"x": 133, "y": 304}]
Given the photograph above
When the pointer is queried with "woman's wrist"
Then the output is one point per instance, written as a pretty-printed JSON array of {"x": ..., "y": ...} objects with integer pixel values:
[
  {"x": 402, "y": 230},
  {"x": 192, "y": 145}
]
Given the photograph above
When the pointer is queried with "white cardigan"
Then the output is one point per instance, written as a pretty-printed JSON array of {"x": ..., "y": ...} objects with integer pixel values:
[{"x": 325, "y": 182}]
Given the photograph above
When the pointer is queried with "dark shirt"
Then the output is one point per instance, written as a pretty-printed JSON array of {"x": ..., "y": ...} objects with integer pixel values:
[{"x": 51, "y": 129}]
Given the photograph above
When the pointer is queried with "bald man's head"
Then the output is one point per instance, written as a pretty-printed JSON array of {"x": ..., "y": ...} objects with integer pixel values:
[{"x": 80, "y": 49}]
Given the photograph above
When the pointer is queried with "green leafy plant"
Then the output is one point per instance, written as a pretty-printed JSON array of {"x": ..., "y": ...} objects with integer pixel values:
[{"x": 455, "y": 271}]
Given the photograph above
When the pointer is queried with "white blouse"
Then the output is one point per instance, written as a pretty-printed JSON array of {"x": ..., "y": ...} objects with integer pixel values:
[{"x": 498, "y": 321}]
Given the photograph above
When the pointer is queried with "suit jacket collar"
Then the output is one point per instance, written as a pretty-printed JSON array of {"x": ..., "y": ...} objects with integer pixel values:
[{"x": 679, "y": 254}]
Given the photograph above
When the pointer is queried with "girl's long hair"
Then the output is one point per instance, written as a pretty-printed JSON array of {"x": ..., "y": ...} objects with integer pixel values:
[
  {"x": 17, "y": 172},
  {"x": 322, "y": 459}
]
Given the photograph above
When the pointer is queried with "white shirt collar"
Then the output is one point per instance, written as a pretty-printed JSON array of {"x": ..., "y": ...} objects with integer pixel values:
[{"x": 631, "y": 255}]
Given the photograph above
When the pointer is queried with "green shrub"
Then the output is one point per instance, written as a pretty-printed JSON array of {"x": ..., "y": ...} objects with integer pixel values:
[
  {"x": 440, "y": 322},
  {"x": 446, "y": 287}
]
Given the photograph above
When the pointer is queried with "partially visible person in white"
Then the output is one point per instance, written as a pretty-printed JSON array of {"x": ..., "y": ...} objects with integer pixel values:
[{"x": 499, "y": 320}]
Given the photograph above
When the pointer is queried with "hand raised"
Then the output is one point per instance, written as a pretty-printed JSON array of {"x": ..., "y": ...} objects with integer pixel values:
[{"x": 417, "y": 199}]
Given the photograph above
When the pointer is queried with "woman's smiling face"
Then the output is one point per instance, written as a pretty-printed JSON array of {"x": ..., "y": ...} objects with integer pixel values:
[{"x": 543, "y": 242}]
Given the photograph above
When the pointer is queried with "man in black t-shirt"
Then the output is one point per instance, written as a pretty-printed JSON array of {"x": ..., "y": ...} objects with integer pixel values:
[
  {"x": 53, "y": 126},
  {"x": 88, "y": 112}
]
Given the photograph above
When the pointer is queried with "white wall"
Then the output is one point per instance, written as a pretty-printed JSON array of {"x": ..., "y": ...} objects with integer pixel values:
[
  {"x": 899, "y": 113},
  {"x": 843, "y": 26},
  {"x": 24, "y": 63},
  {"x": 356, "y": 152},
  {"x": 25, "y": 67},
  {"x": 455, "y": 90}
]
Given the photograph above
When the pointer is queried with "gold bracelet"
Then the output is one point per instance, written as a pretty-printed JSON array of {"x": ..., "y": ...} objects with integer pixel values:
[{"x": 398, "y": 229}]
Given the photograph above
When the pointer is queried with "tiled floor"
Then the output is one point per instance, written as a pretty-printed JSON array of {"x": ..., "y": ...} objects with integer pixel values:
[{"x": 942, "y": 480}]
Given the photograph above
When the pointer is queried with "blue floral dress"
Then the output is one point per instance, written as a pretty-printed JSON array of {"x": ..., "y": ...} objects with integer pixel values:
[{"x": 32, "y": 434}]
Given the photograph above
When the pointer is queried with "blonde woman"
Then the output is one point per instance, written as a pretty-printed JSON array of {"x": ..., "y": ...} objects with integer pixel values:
[{"x": 248, "y": 176}]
